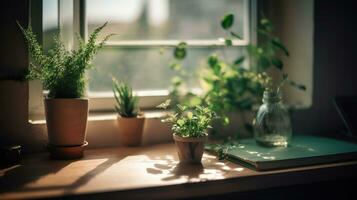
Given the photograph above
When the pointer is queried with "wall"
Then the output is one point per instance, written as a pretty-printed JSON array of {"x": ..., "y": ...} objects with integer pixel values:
[
  {"x": 14, "y": 126},
  {"x": 294, "y": 25},
  {"x": 335, "y": 69}
]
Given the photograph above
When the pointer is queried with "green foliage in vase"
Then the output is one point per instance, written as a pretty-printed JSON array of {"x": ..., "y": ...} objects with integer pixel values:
[
  {"x": 177, "y": 93},
  {"x": 126, "y": 102},
  {"x": 62, "y": 71},
  {"x": 230, "y": 86},
  {"x": 189, "y": 121}
]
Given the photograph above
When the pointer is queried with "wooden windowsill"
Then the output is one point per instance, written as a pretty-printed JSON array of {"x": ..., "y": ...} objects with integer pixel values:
[{"x": 149, "y": 171}]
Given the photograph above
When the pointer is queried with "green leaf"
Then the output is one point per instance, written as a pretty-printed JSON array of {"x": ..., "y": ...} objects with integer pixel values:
[
  {"x": 228, "y": 42},
  {"x": 277, "y": 63},
  {"x": 215, "y": 86},
  {"x": 126, "y": 102},
  {"x": 302, "y": 87},
  {"x": 175, "y": 66},
  {"x": 189, "y": 115},
  {"x": 176, "y": 81},
  {"x": 180, "y": 122},
  {"x": 208, "y": 80},
  {"x": 266, "y": 27},
  {"x": 225, "y": 121},
  {"x": 299, "y": 86},
  {"x": 182, "y": 108},
  {"x": 235, "y": 35},
  {"x": 264, "y": 63},
  {"x": 266, "y": 23},
  {"x": 263, "y": 32},
  {"x": 212, "y": 60},
  {"x": 227, "y": 21},
  {"x": 217, "y": 69},
  {"x": 180, "y": 54},
  {"x": 277, "y": 43},
  {"x": 165, "y": 104},
  {"x": 180, "y": 51},
  {"x": 182, "y": 45},
  {"x": 239, "y": 60}
]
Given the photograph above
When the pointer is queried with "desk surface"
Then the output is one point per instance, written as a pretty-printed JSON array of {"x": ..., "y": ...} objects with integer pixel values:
[{"x": 151, "y": 171}]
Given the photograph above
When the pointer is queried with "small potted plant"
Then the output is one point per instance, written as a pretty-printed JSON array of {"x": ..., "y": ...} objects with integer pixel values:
[
  {"x": 189, "y": 128},
  {"x": 62, "y": 73},
  {"x": 130, "y": 121}
]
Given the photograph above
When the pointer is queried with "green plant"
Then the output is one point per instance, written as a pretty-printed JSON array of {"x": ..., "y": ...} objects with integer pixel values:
[
  {"x": 231, "y": 86},
  {"x": 178, "y": 92},
  {"x": 126, "y": 102},
  {"x": 62, "y": 71},
  {"x": 189, "y": 121}
]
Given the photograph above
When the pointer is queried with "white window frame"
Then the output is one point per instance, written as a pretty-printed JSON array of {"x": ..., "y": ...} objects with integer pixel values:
[{"x": 104, "y": 101}]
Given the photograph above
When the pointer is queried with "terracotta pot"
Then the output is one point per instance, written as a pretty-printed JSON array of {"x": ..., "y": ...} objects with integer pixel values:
[
  {"x": 130, "y": 130},
  {"x": 190, "y": 150},
  {"x": 66, "y": 121}
]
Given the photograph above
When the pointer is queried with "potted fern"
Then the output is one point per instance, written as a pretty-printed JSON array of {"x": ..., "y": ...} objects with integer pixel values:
[
  {"x": 189, "y": 128},
  {"x": 130, "y": 121},
  {"x": 62, "y": 73}
]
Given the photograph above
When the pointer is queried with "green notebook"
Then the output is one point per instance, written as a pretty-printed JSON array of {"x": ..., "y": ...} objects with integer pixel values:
[{"x": 303, "y": 150}]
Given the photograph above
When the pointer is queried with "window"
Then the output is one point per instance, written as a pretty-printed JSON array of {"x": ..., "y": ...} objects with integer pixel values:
[{"x": 147, "y": 31}]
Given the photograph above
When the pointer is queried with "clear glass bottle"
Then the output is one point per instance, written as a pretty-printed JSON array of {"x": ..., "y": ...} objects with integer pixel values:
[{"x": 272, "y": 125}]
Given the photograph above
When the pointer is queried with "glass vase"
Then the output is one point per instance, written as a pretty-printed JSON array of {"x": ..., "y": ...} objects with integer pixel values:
[{"x": 272, "y": 125}]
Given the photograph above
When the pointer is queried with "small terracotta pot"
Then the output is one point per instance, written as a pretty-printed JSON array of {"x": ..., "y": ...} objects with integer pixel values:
[
  {"x": 190, "y": 149},
  {"x": 131, "y": 130},
  {"x": 66, "y": 121}
]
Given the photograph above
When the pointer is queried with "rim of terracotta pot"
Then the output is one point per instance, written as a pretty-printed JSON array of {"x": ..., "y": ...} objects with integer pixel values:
[
  {"x": 65, "y": 99},
  {"x": 140, "y": 116},
  {"x": 189, "y": 139}
]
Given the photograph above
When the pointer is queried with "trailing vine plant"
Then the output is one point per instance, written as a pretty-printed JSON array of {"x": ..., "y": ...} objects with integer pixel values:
[{"x": 232, "y": 86}]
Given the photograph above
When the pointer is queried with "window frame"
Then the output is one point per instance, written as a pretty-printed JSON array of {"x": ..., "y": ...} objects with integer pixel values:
[{"x": 104, "y": 101}]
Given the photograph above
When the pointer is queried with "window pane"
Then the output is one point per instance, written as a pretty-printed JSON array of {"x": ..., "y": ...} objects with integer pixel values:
[
  {"x": 164, "y": 19},
  {"x": 148, "y": 68},
  {"x": 49, "y": 22}
]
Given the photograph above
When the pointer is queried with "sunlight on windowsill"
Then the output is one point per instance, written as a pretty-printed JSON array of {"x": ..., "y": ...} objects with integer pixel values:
[{"x": 100, "y": 116}]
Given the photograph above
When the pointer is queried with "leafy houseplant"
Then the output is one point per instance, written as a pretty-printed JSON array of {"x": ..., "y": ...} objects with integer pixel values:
[
  {"x": 189, "y": 128},
  {"x": 231, "y": 86},
  {"x": 130, "y": 122},
  {"x": 62, "y": 73}
]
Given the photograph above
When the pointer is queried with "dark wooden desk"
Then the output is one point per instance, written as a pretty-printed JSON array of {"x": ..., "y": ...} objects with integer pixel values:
[{"x": 150, "y": 172}]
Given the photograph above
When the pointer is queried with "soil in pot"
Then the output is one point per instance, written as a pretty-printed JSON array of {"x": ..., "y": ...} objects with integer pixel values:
[
  {"x": 190, "y": 149},
  {"x": 131, "y": 130}
]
